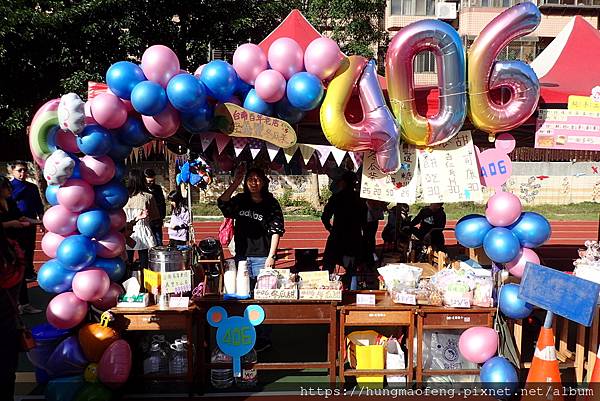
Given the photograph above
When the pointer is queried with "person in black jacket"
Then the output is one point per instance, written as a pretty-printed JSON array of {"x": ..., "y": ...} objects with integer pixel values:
[
  {"x": 159, "y": 197},
  {"x": 431, "y": 221}
]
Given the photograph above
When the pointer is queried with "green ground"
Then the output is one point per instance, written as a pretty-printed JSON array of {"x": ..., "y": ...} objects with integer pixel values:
[{"x": 454, "y": 211}]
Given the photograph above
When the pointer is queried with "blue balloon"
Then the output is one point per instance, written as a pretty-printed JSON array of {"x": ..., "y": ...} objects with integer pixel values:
[
  {"x": 532, "y": 229},
  {"x": 120, "y": 170},
  {"x": 242, "y": 88},
  {"x": 501, "y": 376},
  {"x": 94, "y": 223},
  {"x": 133, "y": 133},
  {"x": 76, "y": 252},
  {"x": 220, "y": 79},
  {"x": 119, "y": 150},
  {"x": 511, "y": 305},
  {"x": 198, "y": 120},
  {"x": 254, "y": 103},
  {"x": 501, "y": 245},
  {"x": 304, "y": 91},
  {"x": 148, "y": 98},
  {"x": 122, "y": 77},
  {"x": 186, "y": 93},
  {"x": 111, "y": 196},
  {"x": 67, "y": 358},
  {"x": 51, "y": 192},
  {"x": 287, "y": 112},
  {"x": 114, "y": 267},
  {"x": 94, "y": 140},
  {"x": 54, "y": 277},
  {"x": 471, "y": 230},
  {"x": 41, "y": 377},
  {"x": 64, "y": 388}
]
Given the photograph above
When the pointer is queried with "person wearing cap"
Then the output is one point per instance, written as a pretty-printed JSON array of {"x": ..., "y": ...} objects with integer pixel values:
[
  {"x": 349, "y": 213},
  {"x": 159, "y": 197}
]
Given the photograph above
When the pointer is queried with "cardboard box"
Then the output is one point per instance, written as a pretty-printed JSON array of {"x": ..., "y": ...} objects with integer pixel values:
[
  {"x": 321, "y": 294},
  {"x": 276, "y": 293}
]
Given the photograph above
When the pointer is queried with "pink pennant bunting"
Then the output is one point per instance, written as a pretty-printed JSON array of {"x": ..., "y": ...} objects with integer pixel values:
[
  {"x": 357, "y": 158},
  {"x": 272, "y": 150},
  {"x": 323, "y": 153},
  {"x": 255, "y": 146},
  {"x": 206, "y": 139},
  {"x": 239, "y": 144},
  {"x": 222, "y": 141},
  {"x": 338, "y": 155}
]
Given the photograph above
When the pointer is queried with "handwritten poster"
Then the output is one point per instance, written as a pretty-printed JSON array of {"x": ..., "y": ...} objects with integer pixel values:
[
  {"x": 176, "y": 282},
  {"x": 568, "y": 129},
  {"x": 449, "y": 172},
  {"x": 236, "y": 121},
  {"x": 400, "y": 187}
]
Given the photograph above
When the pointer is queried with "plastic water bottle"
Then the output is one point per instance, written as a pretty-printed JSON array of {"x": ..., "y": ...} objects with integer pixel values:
[
  {"x": 178, "y": 362},
  {"x": 249, "y": 377},
  {"x": 156, "y": 362},
  {"x": 221, "y": 378}
]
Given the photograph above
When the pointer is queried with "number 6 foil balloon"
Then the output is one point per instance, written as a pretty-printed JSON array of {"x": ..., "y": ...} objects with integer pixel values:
[
  {"x": 441, "y": 39},
  {"x": 486, "y": 74},
  {"x": 377, "y": 131}
]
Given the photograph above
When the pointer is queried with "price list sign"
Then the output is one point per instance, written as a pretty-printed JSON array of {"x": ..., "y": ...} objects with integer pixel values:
[
  {"x": 449, "y": 172},
  {"x": 400, "y": 187}
]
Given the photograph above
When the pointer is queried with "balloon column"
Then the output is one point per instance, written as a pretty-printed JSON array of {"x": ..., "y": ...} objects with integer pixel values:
[
  {"x": 76, "y": 364},
  {"x": 479, "y": 345}
]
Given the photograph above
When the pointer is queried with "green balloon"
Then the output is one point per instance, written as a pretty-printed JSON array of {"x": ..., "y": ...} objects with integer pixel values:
[{"x": 93, "y": 392}]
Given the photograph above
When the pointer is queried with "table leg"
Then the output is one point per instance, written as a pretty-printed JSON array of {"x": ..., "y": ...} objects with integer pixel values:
[
  {"x": 342, "y": 342},
  {"x": 409, "y": 347},
  {"x": 592, "y": 345},
  {"x": 419, "y": 350},
  {"x": 580, "y": 353},
  {"x": 518, "y": 335},
  {"x": 332, "y": 346}
]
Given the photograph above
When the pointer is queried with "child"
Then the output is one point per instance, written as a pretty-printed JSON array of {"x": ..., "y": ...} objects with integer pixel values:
[{"x": 179, "y": 226}]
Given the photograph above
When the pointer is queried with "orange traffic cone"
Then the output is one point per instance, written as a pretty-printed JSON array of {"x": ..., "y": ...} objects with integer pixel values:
[
  {"x": 543, "y": 373},
  {"x": 596, "y": 372}
]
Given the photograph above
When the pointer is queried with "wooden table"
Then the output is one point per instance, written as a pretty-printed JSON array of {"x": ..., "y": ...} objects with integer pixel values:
[
  {"x": 437, "y": 317},
  {"x": 279, "y": 312},
  {"x": 151, "y": 318},
  {"x": 383, "y": 313}
]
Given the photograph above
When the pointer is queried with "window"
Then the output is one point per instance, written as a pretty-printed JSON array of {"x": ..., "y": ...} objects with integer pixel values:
[
  {"x": 413, "y": 7},
  {"x": 491, "y": 3},
  {"x": 424, "y": 62}
]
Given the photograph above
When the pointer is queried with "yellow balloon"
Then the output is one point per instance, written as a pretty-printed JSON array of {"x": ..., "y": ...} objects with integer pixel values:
[{"x": 91, "y": 373}]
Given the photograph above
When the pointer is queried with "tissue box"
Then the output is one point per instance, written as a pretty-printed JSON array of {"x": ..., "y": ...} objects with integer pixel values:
[{"x": 132, "y": 301}]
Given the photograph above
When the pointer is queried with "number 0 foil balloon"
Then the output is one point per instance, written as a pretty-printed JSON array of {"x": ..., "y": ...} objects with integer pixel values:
[
  {"x": 441, "y": 39},
  {"x": 485, "y": 73},
  {"x": 377, "y": 131}
]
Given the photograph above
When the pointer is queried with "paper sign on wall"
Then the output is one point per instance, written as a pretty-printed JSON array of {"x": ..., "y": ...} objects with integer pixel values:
[
  {"x": 400, "y": 187},
  {"x": 176, "y": 282},
  {"x": 449, "y": 172},
  {"x": 567, "y": 129}
]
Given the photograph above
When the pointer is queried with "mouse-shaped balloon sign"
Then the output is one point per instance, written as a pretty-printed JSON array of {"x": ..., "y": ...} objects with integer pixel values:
[
  {"x": 495, "y": 166},
  {"x": 236, "y": 334}
]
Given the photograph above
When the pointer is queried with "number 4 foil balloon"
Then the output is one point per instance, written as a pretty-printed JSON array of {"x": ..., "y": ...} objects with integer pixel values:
[
  {"x": 377, "y": 131},
  {"x": 485, "y": 73}
]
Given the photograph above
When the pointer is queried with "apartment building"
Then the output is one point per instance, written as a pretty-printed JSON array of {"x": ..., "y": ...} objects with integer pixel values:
[{"x": 469, "y": 17}]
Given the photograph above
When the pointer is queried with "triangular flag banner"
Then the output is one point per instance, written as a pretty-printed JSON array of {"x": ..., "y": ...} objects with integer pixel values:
[
  {"x": 239, "y": 144},
  {"x": 289, "y": 152},
  {"x": 255, "y": 146},
  {"x": 222, "y": 141},
  {"x": 306, "y": 151},
  {"x": 206, "y": 139},
  {"x": 356, "y": 158},
  {"x": 323, "y": 153},
  {"x": 272, "y": 150},
  {"x": 338, "y": 155}
]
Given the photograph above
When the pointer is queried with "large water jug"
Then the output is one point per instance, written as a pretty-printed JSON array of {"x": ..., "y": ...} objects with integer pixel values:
[
  {"x": 178, "y": 362},
  {"x": 249, "y": 377},
  {"x": 156, "y": 362},
  {"x": 221, "y": 378}
]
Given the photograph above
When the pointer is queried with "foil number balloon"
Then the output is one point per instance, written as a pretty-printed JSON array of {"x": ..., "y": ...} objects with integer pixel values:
[
  {"x": 377, "y": 131},
  {"x": 443, "y": 40},
  {"x": 485, "y": 73}
]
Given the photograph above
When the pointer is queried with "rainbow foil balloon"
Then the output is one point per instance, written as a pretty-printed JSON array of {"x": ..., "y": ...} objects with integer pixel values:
[
  {"x": 377, "y": 131},
  {"x": 486, "y": 73},
  {"x": 441, "y": 39}
]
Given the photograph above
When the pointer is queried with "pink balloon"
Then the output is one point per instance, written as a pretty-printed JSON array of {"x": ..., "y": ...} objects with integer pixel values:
[
  {"x": 66, "y": 141},
  {"x": 108, "y": 110},
  {"x": 118, "y": 219},
  {"x": 199, "y": 71},
  {"x": 97, "y": 170},
  {"x": 164, "y": 124},
  {"x": 478, "y": 344},
  {"x": 285, "y": 56},
  {"x": 91, "y": 285},
  {"x": 87, "y": 109},
  {"x": 50, "y": 243},
  {"x": 110, "y": 246},
  {"x": 322, "y": 58},
  {"x": 60, "y": 220},
  {"x": 76, "y": 195},
  {"x": 249, "y": 60},
  {"x": 160, "y": 64},
  {"x": 115, "y": 365},
  {"x": 503, "y": 209},
  {"x": 66, "y": 311},
  {"x": 270, "y": 86},
  {"x": 109, "y": 300},
  {"x": 516, "y": 267}
]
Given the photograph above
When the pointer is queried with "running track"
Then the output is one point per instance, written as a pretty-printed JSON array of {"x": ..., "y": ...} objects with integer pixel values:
[{"x": 559, "y": 252}]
